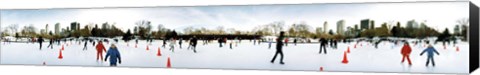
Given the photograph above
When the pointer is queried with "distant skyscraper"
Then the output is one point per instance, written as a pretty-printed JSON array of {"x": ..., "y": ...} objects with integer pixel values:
[
  {"x": 46, "y": 29},
  {"x": 57, "y": 28},
  {"x": 75, "y": 26},
  {"x": 105, "y": 26},
  {"x": 364, "y": 24},
  {"x": 340, "y": 27},
  {"x": 412, "y": 24},
  {"x": 325, "y": 27}
]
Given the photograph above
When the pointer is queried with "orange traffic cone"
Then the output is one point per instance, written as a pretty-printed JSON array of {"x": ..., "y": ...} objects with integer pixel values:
[
  {"x": 355, "y": 46},
  {"x": 159, "y": 53},
  {"x": 60, "y": 56},
  {"x": 63, "y": 48},
  {"x": 147, "y": 48},
  {"x": 444, "y": 47},
  {"x": 345, "y": 59},
  {"x": 458, "y": 49},
  {"x": 321, "y": 68},
  {"x": 348, "y": 50},
  {"x": 168, "y": 63}
]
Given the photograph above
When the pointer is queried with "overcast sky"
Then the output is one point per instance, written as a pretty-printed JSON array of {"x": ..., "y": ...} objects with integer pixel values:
[{"x": 439, "y": 15}]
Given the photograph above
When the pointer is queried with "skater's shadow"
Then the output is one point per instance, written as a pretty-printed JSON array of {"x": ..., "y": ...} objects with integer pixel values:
[
  {"x": 406, "y": 67},
  {"x": 430, "y": 69}
]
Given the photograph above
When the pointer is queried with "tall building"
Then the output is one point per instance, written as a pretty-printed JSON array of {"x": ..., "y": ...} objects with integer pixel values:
[
  {"x": 340, "y": 27},
  {"x": 57, "y": 28},
  {"x": 372, "y": 24},
  {"x": 325, "y": 27},
  {"x": 46, "y": 29},
  {"x": 412, "y": 24},
  {"x": 364, "y": 24},
  {"x": 75, "y": 26},
  {"x": 105, "y": 26},
  {"x": 456, "y": 29}
]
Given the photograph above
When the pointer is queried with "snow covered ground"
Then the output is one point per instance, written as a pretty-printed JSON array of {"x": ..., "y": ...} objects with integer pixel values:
[{"x": 305, "y": 57}]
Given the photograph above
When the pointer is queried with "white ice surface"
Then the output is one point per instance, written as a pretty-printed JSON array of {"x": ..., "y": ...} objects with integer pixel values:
[{"x": 386, "y": 58}]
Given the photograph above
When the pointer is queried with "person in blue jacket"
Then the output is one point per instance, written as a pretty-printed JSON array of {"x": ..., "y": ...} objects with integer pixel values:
[
  {"x": 114, "y": 54},
  {"x": 430, "y": 50}
]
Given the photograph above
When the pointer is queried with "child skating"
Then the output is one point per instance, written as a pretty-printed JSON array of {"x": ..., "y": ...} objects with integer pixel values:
[
  {"x": 114, "y": 55},
  {"x": 430, "y": 50}
]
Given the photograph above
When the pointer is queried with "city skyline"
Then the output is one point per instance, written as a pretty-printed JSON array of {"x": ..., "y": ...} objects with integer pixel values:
[{"x": 245, "y": 18}]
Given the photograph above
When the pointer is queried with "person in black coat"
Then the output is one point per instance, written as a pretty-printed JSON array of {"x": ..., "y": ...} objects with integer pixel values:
[
  {"x": 180, "y": 43},
  {"x": 295, "y": 41},
  {"x": 40, "y": 41},
  {"x": 220, "y": 42},
  {"x": 193, "y": 42},
  {"x": 85, "y": 46},
  {"x": 323, "y": 43},
  {"x": 50, "y": 44},
  {"x": 279, "y": 48}
]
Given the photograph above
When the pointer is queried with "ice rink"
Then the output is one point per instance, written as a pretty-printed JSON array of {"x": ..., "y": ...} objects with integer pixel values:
[{"x": 246, "y": 55}]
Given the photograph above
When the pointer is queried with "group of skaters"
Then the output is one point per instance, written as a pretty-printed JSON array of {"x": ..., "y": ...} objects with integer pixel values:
[
  {"x": 112, "y": 52},
  {"x": 281, "y": 41},
  {"x": 405, "y": 50},
  {"x": 192, "y": 43}
]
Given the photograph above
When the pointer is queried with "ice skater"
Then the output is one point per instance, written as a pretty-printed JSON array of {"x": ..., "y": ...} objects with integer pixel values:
[
  {"x": 180, "y": 43},
  {"x": 193, "y": 42},
  {"x": 100, "y": 50},
  {"x": 430, "y": 50},
  {"x": 279, "y": 48},
  {"x": 40, "y": 41},
  {"x": 220, "y": 42},
  {"x": 295, "y": 41},
  {"x": 85, "y": 45},
  {"x": 323, "y": 44},
  {"x": 50, "y": 44},
  {"x": 270, "y": 44},
  {"x": 164, "y": 43},
  {"x": 172, "y": 45},
  {"x": 114, "y": 54},
  {"x": 406, "y": 50}
]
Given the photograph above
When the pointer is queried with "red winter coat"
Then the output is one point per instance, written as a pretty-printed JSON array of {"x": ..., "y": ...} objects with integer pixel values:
[
  {"x": 100, "y": 48},
  {"x": 406, "y": 50}
]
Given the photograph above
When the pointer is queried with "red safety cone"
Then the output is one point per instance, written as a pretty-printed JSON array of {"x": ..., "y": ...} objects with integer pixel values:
[
  {"x": 444, "y": 47},
  {"x": 168, "y": 63},
  {"x": 321, "y": 68},
  {"x": 159, "y": 53},
  {"x": 355, "y": 46},
  {"x": 60, "y": 56},
  {"x": 345, "y": 59},
  {"x": 348, "y": 50},
  {"x": 147, "y": 48},
  {"x": 63, "y": 48}
]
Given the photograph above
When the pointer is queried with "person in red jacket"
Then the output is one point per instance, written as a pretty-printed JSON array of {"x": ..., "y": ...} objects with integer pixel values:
[
  {"x": 406, "y": 50},
  {"x": 100, "y": 49}
]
